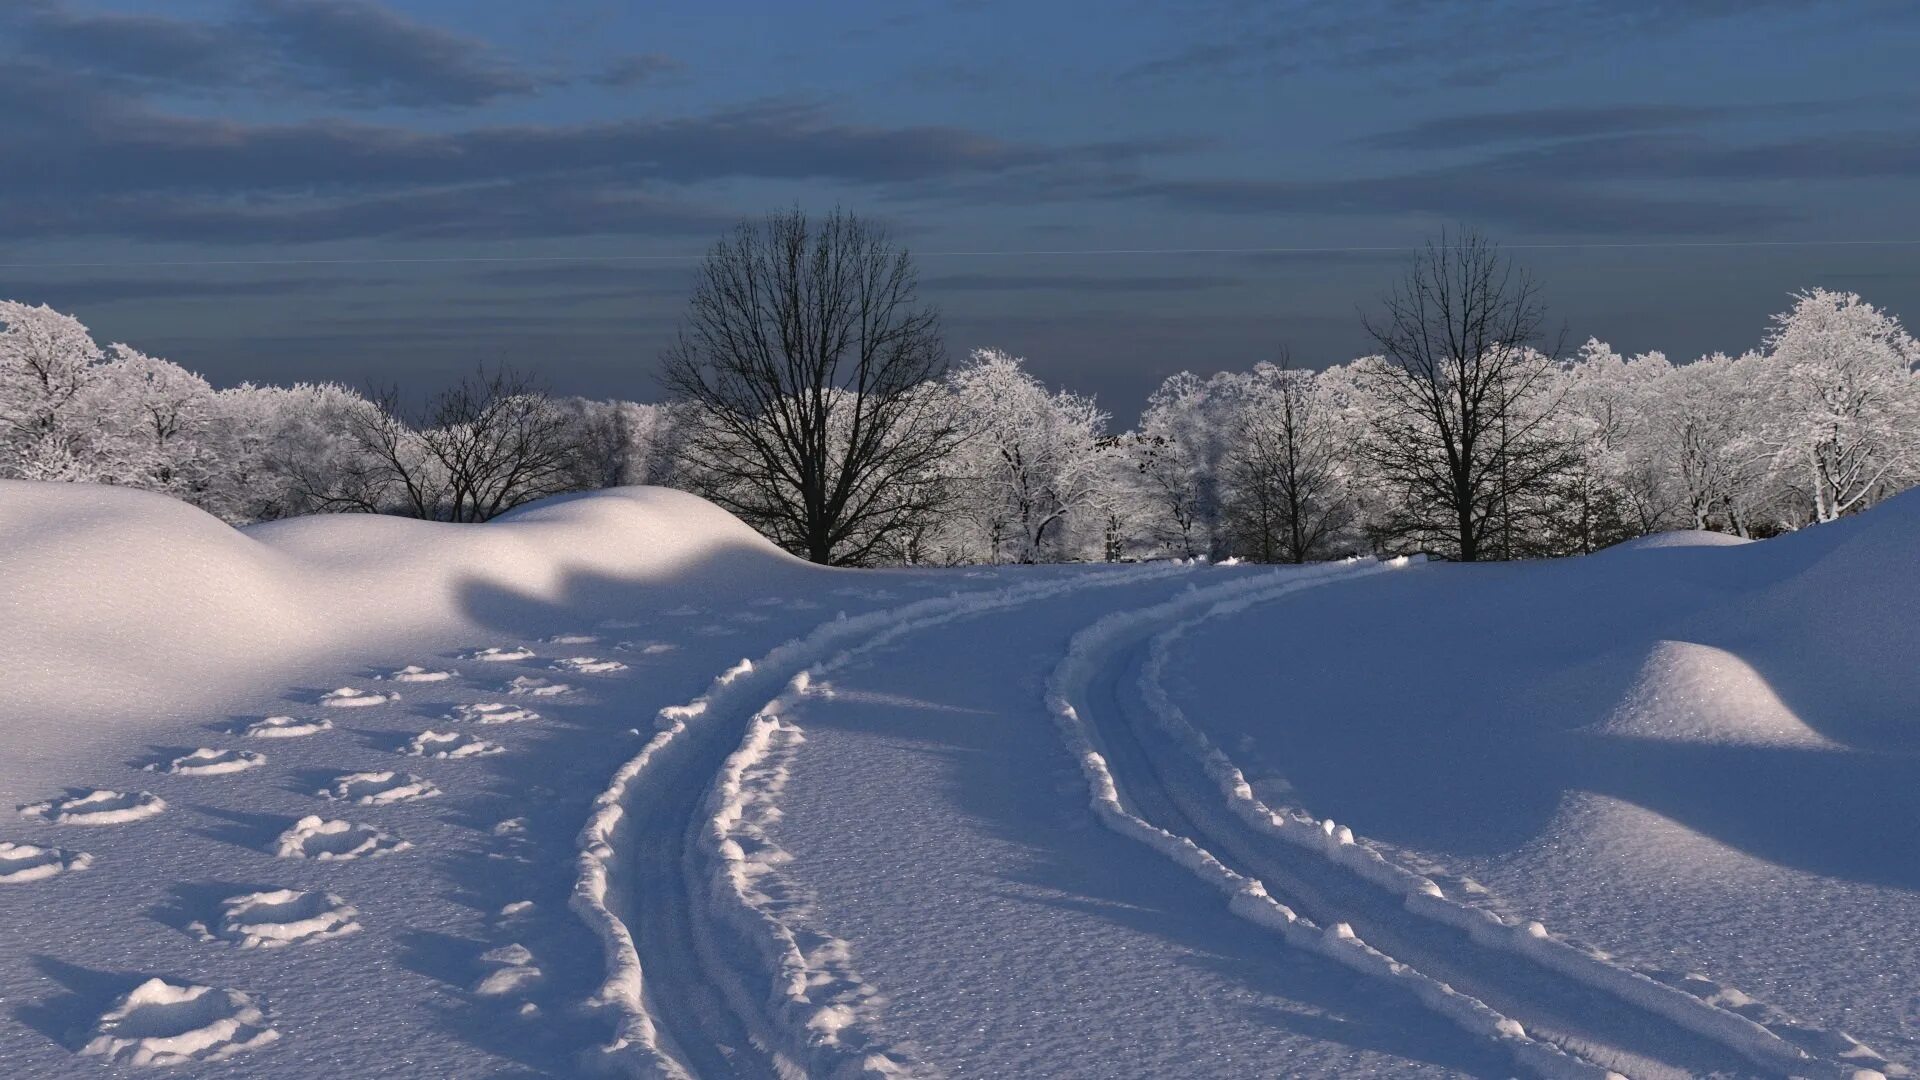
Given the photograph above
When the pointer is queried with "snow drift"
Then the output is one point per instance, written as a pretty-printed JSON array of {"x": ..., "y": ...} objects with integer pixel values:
[{"x": 122, "y": 604}]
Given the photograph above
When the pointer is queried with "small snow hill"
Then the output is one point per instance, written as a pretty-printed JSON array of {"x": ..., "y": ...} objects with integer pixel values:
[{"x": 124, "y": 607}]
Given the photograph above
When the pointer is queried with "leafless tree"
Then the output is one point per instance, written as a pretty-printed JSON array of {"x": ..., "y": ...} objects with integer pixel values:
[
  {"x": 1464, "y": 392},
  {"x": 806, "y": 360}
]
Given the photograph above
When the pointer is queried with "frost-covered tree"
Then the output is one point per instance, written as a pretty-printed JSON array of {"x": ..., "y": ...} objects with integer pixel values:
[
  {"x": 1283, "y": 492},
  {"x": 49, "y": 365},
  {"x": 1033, "y": 467},
  {"x": 1843, "y": 409}
]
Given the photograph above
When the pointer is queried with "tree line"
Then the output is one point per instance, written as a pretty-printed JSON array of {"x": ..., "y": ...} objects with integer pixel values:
[{"x": 809, "y": 394}]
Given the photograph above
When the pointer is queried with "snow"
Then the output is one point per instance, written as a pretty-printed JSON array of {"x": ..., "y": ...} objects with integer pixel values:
[{"x": 1646, "y": 813}]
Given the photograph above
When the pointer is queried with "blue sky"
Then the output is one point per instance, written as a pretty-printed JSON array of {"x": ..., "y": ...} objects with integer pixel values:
[{"x": 399, "y": 189}]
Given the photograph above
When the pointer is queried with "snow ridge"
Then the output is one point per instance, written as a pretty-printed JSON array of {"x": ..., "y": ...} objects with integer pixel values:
[
  {"x": 1248, "y": 897},
  {"x": 640, "y": 1047},
  {"x": 1776, "y": 1041}
]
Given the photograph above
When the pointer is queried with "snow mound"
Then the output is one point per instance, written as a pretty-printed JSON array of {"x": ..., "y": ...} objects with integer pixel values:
[
  {"x": 286, "y": 727},
  {"x": 97, "y": 807},
  {"x": 348, "y": 697},
  {"x": 492, "y": 712},
  {"x": 379, "y": 788},
  {"x": 449, "y": 744},
  {"x": 416, "y": 673},
  {"x": 1680, "y": 538},
  {"x": 163, "y": 1023},
  {"x": 1694, "y": 693},
  {"x": 114, "y": 599},
  {"x": 21, "y": 863},
  {"x": 315, "y": 838},
  {"x": 280, "y": 917},
  {"x": 647, "y": 648},
  {"x": 573, "y": 639},
  {"x": 207, "y": 761},
  {"x": 499, "y": 654}
]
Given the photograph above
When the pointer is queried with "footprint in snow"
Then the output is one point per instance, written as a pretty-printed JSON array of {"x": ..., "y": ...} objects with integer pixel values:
[
  {"x": 533, "y": 686},
  {"x": 451, "y": 745},
  {"x": 286, "y": 727},
  {"x": 588, "y": 665},
  {"x": 97, "y": 807},
  {"x": 21, "y": 863},
  {"x": 499, "y": 654},
  {"x": 511, "y": 970},
  {"x": 349, "y": 698},
  {"x": 492, "y": 712},
  {"x": 279, "y": 917},
  {"x": 416, "y": 673},
  {"x": 573, "y": 639},
  {"x": 313, "y": 837},
  {"x": 646, "y": 648},
  {"x": 164, "y": 1023},
  {"x": 207, "y": 761},
  {"x": 378, "y": 788}
]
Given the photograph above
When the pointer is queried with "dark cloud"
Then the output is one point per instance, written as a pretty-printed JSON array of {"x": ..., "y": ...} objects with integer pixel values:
[
  {"x": 344, "y": 52},
  {"x": 1475, "y": 195},
  {"x": 638, "y": 69},
  {"x": 1082, "y": 283},
  {"x": 1415, "y": 43},
  {"x": 72, "y": 290},
  {"x": 1479, "y": 129},
  {"x": 1847, "y": 156}
]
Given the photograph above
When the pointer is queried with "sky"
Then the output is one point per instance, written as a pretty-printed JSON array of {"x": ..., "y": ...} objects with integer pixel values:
[{"x": 400, "y": 190}]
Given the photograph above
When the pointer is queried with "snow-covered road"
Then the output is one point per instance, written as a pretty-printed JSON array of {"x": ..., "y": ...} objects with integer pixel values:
[{"x": 748, "y": 818}]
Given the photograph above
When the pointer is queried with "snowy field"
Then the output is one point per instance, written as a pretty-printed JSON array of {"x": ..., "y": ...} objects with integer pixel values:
[{"x": 611, "y": 786}]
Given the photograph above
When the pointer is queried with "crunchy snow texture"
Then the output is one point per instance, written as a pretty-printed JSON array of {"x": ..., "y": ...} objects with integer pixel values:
[
  {"x": 313, "y": 837},
  {"x": 287, "y": 727},
  {"x": 210, "y": 762},
  {"x": 379, "y": 788}
]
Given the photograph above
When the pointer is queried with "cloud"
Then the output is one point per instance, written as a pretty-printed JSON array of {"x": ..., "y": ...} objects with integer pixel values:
[
  {"x": 1479, "y": 129},
  {"x": 343, "y": 52},
  {"x": 1082, "y": 283},
  {"x": 70, "y": 290},
  {"x": 1413, "y": 43},
  {"x": 1475, "y": 195},
  {"x": 638, "y": 69}
]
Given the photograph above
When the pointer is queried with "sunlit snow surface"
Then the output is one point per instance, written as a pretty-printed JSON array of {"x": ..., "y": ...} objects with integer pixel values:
[{"x": 1650, "y": 810}]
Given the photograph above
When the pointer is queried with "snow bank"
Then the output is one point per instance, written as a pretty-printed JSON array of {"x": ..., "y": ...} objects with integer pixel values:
[
  {"x": 1689, "y": 692},
  {"x": 122, "y": 604},
  {"x": 1680, "y": 538}
]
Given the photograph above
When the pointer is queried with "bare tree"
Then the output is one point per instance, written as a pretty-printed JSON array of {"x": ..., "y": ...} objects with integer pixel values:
[
  {"x": 806, "y": 360},
  {"x": 1465, "y": 397}
]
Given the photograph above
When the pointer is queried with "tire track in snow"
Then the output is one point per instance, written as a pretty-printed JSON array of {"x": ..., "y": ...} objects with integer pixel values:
[
  {"x": 1764, "y": 1036},
  {"x": 677, "y": 993}
]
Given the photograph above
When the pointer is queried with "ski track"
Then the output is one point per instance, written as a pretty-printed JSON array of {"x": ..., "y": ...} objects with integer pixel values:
[
  {"x": 1762, "y": 1034},
  {"x": 722, "y": 946},
  {"x": 1124, "y": 775}
]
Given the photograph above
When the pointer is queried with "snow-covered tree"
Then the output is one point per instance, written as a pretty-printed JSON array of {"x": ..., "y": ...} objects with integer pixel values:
[
  {"x": 1032, "y": 466},
  {"x": 1843, "y": 409},
  {"x": 48, "y": 366},
  {"x": 1283, "y": 493}
]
